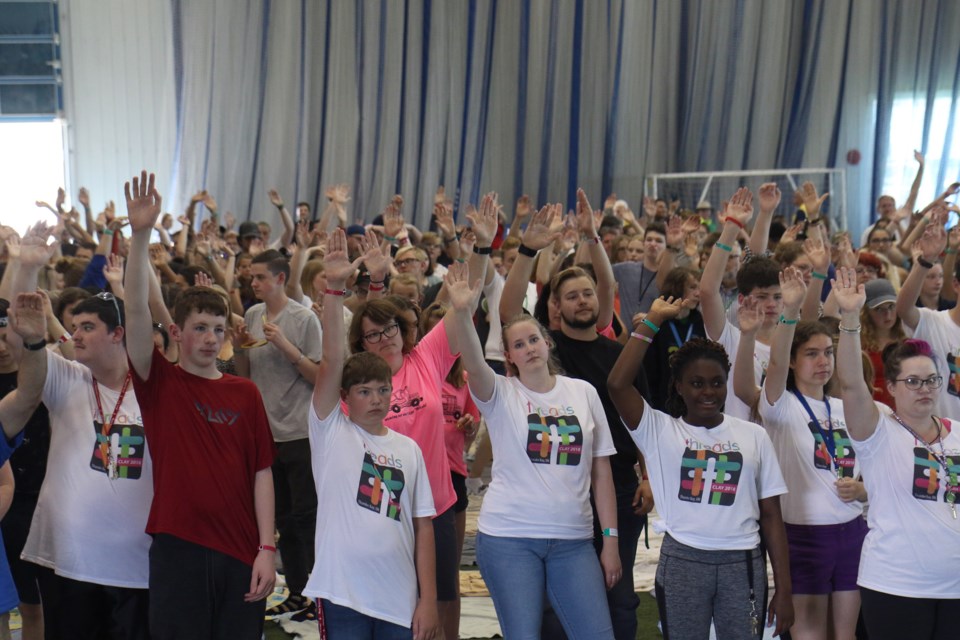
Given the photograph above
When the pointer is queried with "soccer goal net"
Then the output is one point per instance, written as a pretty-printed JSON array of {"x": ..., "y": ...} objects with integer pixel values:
[{"x": 714, "y": 187}]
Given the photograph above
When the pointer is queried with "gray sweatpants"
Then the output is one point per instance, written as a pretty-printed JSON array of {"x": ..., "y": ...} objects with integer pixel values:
[{"x": 694, "y": 587}]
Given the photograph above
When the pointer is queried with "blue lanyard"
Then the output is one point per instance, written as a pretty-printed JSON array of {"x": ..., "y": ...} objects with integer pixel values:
[
  {"x": 676, "y": 335},
  {"x": 827, "y": 436}
]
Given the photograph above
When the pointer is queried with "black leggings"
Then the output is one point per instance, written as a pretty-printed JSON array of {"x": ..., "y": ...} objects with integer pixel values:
[{"x": 896, "y": 617}]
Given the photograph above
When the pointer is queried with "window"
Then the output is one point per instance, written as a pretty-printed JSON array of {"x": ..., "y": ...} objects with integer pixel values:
[{"x": 30, "y": 86}]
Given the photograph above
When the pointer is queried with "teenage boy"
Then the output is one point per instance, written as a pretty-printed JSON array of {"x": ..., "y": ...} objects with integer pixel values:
[
  {"x": 284, "y": 370},
  {"x": 378, "y": 536},
  {"x": 212, "y": 514}
]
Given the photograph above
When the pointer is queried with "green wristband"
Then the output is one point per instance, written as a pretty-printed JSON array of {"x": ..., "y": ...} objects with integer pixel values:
[
  {"x": 783, "y": 320},
  {"x": 720, "y": 245},
  {"x": 652, "y": 326},
  {"x": 819, "y": 276},
  {"x": 389, "y": 239}
]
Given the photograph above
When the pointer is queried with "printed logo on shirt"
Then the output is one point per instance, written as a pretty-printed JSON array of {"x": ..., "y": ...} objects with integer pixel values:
[
  {"x": 554, "y": 439},
  {"x": 927, "y": 472},
  {"x": 404, "y": 402},
  {"x": 126, "y": 444},
  {"x": 846, "y": 457},
  {"x": 707, "y": 473},
  {"x": 953, "y": 384},
  {"x": 381, "y": 482},
  {"x": 216, "y": 416},
  {"x": 451, "y": 408}
]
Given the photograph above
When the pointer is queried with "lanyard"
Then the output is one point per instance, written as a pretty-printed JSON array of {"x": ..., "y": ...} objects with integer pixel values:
[
  {"x": 950, "y": 496},
  {"x": 826, "y": 436},
  {"x": 108, "y": 462},
  {"x": 676, "y": 335},
  {"x": 643, "y": 289}
]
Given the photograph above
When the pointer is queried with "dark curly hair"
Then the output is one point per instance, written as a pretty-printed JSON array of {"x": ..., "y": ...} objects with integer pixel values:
[{"x": 691, "y": 351}]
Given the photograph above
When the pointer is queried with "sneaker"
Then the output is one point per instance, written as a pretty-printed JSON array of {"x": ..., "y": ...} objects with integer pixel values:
[
  {"x": 292, "y": 604},
  {"x": 309, "y": 614}
]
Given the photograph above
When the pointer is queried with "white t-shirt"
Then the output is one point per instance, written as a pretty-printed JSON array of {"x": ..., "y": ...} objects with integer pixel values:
[
  {"x": 913, "y": 546},
  {"x": 707, "y": 483},
  {"x": 730, "y": 340},
  {"x": 370, "y": 488},
  {"x": 805, "y": 460},
  {"x": 543, "y": 450},
  {"x": 88, "y": 527},
  {"x": 943, "y": 334}
]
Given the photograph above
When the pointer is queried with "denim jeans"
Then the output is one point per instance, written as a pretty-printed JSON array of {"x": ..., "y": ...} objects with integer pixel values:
[
  {"x": 344, "y": 623},
  {"x": 518, "y": 571}
]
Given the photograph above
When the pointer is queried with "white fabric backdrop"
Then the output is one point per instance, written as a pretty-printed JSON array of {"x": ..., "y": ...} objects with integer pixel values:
[{"x": 525, "y": 96}]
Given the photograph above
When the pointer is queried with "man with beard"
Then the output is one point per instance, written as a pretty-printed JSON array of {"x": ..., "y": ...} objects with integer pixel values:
[{"x": 586, "y": 354}]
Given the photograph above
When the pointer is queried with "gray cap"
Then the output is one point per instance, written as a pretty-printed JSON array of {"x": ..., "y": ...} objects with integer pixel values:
[
  {"x": 249, "y": 230},
  {"x": 878, "y": 292}
]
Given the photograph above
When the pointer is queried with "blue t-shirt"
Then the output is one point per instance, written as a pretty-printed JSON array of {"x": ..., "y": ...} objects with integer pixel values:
[{"x": 8, "y": 592}]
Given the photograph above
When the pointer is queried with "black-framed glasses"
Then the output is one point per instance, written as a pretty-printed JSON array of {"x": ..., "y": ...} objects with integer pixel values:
[
  {"x": 405, "y": 262},
  {"x": 106, "y": 295},
  {"x": 914, "y": 383},
  {"x": 375, "y": 336}
]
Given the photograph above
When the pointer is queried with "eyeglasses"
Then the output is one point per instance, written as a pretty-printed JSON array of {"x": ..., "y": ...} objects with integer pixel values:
[
  {"x": 106, "y": 295},
  {"x": 375, "y": 336},
  {"x": 405, "y": 262},
  {"x": 914, "y": 383},
  {"x": 881, "y": 240}
]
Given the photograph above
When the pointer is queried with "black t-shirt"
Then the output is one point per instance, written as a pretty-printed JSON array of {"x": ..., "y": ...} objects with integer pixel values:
[
  {"x": 672, "y": 334},
  {"x": 29, "y": 460},
  {"x": 592, "y": 361}
]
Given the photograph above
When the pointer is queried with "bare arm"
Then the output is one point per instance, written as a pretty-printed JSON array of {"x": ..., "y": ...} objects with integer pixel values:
[
  {"x": 143, "y": 208},
  {"x": 605, "y": 498},
  {"x": 775, "y": 538},
  {"x": 793, "y": 289},
  {"x": 29, "y": 324},
  {"x": 858, "y": 407},
  {"x": 426, "y": 618},
  {"x": 6, "y": 488},
  {"x": 739, "y": 211},
  {"x": 264, "y": 573},
  {"x": 540, "y": 232},
  {"x": 929, "y": 246},
  {"x": 459, "y": 322},
  {"x": 744, "y": 377},
  {"x": 769, "y": 199},
  {"x": 911, "y": 200}
]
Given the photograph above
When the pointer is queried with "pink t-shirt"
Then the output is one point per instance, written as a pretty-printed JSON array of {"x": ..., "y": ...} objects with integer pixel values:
[
  {"x": 457, "y": 403},
  {"x": 416, "y": 408}
]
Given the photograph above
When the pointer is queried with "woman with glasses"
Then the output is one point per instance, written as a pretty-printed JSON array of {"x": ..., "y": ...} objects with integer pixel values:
[
  {"x": 823, "y": 511},
  {"x": 910, "y": 567}
]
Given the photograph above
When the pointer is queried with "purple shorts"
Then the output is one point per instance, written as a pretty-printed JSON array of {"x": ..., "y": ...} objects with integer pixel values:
[{"x": 826, "y": 557}]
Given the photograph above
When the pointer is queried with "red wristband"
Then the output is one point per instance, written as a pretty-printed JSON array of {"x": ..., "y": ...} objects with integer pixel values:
[
  {"x": 376, "y": 287},
  {"x": 734, "y": 221},
  {"x": 267, "y": 547},
  {"x": 335, "y": 292}
]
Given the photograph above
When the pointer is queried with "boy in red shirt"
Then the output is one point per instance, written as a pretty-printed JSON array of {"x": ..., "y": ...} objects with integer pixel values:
[{"x": 212, "y": 512}]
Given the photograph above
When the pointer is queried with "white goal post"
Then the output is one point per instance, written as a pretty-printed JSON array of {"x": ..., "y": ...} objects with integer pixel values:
[{"x": 716, "y": 186}]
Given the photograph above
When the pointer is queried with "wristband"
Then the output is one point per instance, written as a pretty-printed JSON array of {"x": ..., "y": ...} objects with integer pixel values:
[
  {"x": 376, "y": 286},
  {"x": 267, "y": 547},
  {"x": 389, "y": 239},
  {"x": 844, "y": 329},
  {"x": 524, "y": 250},
  {"x": 784, "y": 320},
  {"x": 652, "y": 326},
  {"x": 644, "y": 478},
  {"x": 299, "y": 360},
  {"x": 482, "y": 251},
  {"x": 593, "y": 240},
  {"x": 818, "y": 276},
  {"x": 108, "y": 232},
  {"x": 948, "y": 251},
  {"x": 335, "y": 292},
  {"x": 36, "y": 346},
  {"x": 812, "y": 222},
  {"x": 640, "y": 336},
  {"x": 923, "y": 262},
  {"x": 734, "y": 221},
  {"x": 674, "y": 249},
  {"x": 611, "y": 533},
  {"x": 724, "y": 247},
  {"x": 450, "y": 240},
  {"x": 66, "y": 337},
  {"x": 461, "y": 260}
]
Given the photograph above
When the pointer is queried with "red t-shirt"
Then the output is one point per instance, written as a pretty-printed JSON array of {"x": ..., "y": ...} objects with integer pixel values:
[{"x": 208, "y": 439}]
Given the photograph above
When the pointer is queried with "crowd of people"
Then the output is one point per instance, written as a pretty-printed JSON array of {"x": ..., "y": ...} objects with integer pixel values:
[{"x": 180, "y": 403}]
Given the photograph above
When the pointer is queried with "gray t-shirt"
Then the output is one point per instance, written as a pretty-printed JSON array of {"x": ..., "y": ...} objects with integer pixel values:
[
  {"x": 637, "y": 287},
  {"x": 286, "y": 394}
]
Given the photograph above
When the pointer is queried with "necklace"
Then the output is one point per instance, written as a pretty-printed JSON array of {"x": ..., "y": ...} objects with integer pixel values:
[
  {"x": 109, "y": 460},
  {"x": 941, "y": 458}
]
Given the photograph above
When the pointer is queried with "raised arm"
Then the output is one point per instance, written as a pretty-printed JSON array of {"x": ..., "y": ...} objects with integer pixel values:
[
  {"x": 950, "y": 263},
  {"x": 816, "y": 250},
  {"x": 738, "y": 214},
  {"x": 27, "y": 321},
  {"x": 929, "y": 245},
  {"x": 287, "y": 236},
  {"x": 459, "y": 321},
  {"x": 540, "y": 232},
  {"x": 668, "y": 259},
  {"x": 143, "y": 209},
  {"x": 606, "y": 283},
  {"x": 483, "y": 221},
  {"x": 911, "y": 200},
  {"x": 793, "y": 290},
  {"x": 769, "y": 199},
  {"x": 521, "y": 213},
  {"x": 338, "y": 268},
  {"x": 750, "y": 317},
  {"x": 858, "y": 407},
  {"x": 626, "y": 398}
]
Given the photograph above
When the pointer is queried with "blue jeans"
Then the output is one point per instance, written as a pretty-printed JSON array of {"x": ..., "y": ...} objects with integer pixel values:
[
  {"x": 344, "y": 623},
  {"x": 518, "y": 571}
]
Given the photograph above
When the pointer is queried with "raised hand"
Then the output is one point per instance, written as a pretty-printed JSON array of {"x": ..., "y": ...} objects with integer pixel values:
[
  {"x": 610, "y": 201},
  {"x": 811, "y": 200},
  {"x": 674, "y": 231},
  {"x": 849, "y": 295},
  {"x": 749, "y": 315},
  {"x": 846, "y": 256},
  {"x": 113, "y": 271},
  {"x": 650, "y": 207},
  {"x": 29, "y": 319},
  {"x": 790, "y": 235},
  {"x": 336, "y": 262},
  {"x": 740, "y": 206},
  {"x": 229, "y": 220},
  {"x": 484, "y": 221},
  {"x": 918, "y": 156},
  {"x": 665, "y": 309},
  {"x": 792, "y": 288},
  {"x": 12, "y": 243},
  {"x": 34, "y": 250},
  {"x": 814, "y": 248},
  {"x": 202, "y": 280},
  {"x": 84, "y": 197},
  {"x": 275, "y": 198},
  {"x": 444, "y": 217},
  {"x": 392, "y": 220},
  {"x": 586, "y": 221},
  {"x": 953, "y": 237},
  {"x": 544, "y": 227},
  {"x": 769, "y": 196},
  {"x": 523, "y": 209},
  {"x": 376, "y": 258},
  {"x": 338, "y": 193},
  {"x": 463, "y": 295},
  {"x": 934, "y": 239},
  {"x": 61, "y": 198},
  {"x": 143, "y": 202}
]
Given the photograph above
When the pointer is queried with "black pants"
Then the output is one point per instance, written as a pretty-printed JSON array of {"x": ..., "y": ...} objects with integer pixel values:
[
  {"x": 74, "y": 610},
  {"x": 296, "y": 511},
  {"x": 196, "y": 592},
  {"x": 891, "y": 617}
]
